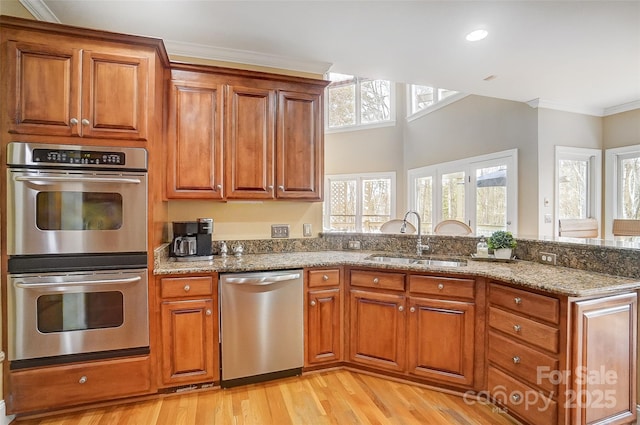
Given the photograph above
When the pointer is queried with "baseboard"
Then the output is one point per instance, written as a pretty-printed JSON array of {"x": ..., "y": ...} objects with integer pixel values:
[{"x": 4, "y": 419}]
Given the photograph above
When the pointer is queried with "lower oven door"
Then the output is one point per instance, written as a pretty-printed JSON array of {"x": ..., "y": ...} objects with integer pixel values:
[{"x": 55, "y": 314}]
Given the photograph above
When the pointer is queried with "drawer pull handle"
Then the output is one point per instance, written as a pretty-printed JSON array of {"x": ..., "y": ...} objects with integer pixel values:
[
  {"x": 313, "y": 303},
  {"x": 187, "y": 288},
  {"x": 517, "y": 328},
  {"x": 325, "y": 277},
  {"x": 440, "y": 286},
  {"x": 376, "y": 280},
  {"x": 516, "y": 360},
  {"x": 82, "y": 380},
  {"x": 412, "y": 309},
  {"x": 401, "y": 308},
  {"x": 517, "y": 300},
  {"x": 516, "y": 397},
  {"x": 208, "y": 312}
]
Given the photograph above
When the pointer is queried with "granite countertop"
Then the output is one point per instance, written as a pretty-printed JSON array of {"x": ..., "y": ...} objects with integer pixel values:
[{"x": 553, "y": 279}]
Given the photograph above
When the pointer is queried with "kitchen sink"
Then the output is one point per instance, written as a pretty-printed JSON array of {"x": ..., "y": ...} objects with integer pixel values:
[{"x": 436, "y": 262}]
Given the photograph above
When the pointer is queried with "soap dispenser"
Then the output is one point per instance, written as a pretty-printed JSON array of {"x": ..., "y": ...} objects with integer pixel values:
[{"x": 482, "y": 249}]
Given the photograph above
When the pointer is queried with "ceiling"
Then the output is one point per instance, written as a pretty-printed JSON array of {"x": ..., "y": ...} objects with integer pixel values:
[{"x": 581, "y": 56}]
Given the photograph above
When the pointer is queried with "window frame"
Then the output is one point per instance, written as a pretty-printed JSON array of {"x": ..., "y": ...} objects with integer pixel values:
[
  {"x": 437, "y": 104},
  {"x": 359, "y": 177},
  {"x": 612, "y": 181},
  {"x": 468, "y": 166},
  {"x": 357, "y": 81},
  {"x": 594, "y": 183}
]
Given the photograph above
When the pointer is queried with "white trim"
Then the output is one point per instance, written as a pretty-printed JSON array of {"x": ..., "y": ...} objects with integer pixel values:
[
  {"x": 40, "y": 11},
  {"x": 358, "y": 127},
  {"x": 548, "y": 104},
  {"x": 245, "y": 56},
  {"x": 622, "y": 108},
  {"x": 4, "y": 419},
  {"x": 611, "y": 185},
  {"x": 438, "y": 105}
]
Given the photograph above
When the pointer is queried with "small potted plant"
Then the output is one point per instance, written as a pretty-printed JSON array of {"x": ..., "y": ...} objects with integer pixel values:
[{"x": 501, "y": 242}]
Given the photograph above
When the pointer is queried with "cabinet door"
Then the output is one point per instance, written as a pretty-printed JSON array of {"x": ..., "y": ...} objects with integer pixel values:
[
  {"x": 299, "y": 163},
  {"x": 249, "y": 141},
  {"x": 442, "y": 340},
  {"x": 377, "y": 330},
  {"x": 194, "y": 142},
  {"x": 44, "y": 89},
  {"x": 189, "y": 342},
  {"x": 114, "y": 96},
  {"x": 324, "y": 309},
  {"x": 604, "y": 356}
]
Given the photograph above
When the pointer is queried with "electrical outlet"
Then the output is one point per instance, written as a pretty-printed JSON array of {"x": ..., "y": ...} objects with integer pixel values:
[
  {"x": 306, "y": 229},
  {"x": 547, "y": 258},
  {"x": 354, "y": 244},
  {"x": 279, "y": 230}
]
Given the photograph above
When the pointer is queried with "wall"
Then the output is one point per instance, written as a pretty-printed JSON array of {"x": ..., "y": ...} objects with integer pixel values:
[
  {"x": 14, "y": 8},
  {"x": 477, "y": 125},
  {"x": 621, "y": 129},
  {"x": 557, "y": 128}
]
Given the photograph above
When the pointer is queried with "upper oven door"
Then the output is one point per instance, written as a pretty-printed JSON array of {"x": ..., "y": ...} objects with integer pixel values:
[{"x": 76, "y": 212}]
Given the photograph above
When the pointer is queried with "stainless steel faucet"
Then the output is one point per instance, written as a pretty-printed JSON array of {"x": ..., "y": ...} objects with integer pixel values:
[{"x": 419, "y": 246}]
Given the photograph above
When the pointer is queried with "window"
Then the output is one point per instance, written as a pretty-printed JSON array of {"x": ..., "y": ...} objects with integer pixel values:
[
  {"x": 425, "y": 98},
  {"x": 359, "y": 202},
  {"x": 622, "y": 184},
  {"x": 479, "y": 191},
  {"x": 578, "y": 186},
  {"x": 354, "y": 101}
]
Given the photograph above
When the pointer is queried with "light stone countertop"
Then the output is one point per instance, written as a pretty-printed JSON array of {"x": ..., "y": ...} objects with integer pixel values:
[{"x": 527, "y": 274}]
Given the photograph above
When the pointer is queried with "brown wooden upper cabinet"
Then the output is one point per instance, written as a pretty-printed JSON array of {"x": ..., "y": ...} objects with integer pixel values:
[
  {"x": 63, "y": 89},
  {"x": 236, "y": 134}
]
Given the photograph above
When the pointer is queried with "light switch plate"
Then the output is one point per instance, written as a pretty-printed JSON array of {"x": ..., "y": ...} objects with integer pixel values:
[
  {"x": 306, "y": 229},
  {"x": 279, "y": 230}
]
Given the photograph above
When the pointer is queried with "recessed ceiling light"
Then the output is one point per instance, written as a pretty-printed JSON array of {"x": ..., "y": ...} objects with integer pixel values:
[{"x": 477, "y": 35}]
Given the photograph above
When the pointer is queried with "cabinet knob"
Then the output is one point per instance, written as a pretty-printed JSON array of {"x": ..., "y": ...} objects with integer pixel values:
[
  {"x": 270, "y": 187},
  {"x": 400, "y": 308},
  {"x": 187, "y": 288},
  {"x": 313, "y": 303},
  {"x": 82, "y": 380},
  {"x": 517, "y": 328},
  {"x": 440, "y": 286},
  {"x": 516, "y": 397},
  {"x": 218, "y": 187},
  {"x": 85, "y": 121},
  {"x": 73, "y": 121},
  {"x": 516, "y": 360},
  {"x": 517, "y": 300},
  {"x": 325, "y": 277},
  {"x": 281, "y": 188},
  {"x": 412, "y": 309},
  {"x": 376, "y": 280},
  {"x": 208, "y": 312}
]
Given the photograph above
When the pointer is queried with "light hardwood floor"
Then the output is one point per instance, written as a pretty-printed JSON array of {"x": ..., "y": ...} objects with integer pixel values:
[{"x": 333, "y": 397}]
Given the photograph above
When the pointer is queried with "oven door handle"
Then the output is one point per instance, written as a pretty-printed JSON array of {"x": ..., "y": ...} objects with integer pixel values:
[
  {"x": 44, "y": 180},
  {"x": 24, "y": 285}
]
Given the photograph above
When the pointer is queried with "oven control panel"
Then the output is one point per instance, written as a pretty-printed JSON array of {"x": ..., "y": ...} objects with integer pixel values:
[{"x": 68, "y": 156}]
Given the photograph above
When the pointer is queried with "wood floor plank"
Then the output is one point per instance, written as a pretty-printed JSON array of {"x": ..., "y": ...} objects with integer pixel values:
[{"x": 334, "y": 397}]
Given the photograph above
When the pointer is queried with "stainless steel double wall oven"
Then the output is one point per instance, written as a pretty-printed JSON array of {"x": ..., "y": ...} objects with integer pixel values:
[{"x": 77, "y": 247}]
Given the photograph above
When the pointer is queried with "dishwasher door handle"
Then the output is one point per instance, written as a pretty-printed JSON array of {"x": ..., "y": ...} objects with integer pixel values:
[{"x": 266, "y": 280}]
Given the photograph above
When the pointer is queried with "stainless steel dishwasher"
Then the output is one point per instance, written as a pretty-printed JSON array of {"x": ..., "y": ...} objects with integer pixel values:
[{"x": 261, "y": 326}]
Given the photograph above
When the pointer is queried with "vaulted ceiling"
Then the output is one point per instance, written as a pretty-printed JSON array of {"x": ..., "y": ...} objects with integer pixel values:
[{"x": 581, "y": 56}]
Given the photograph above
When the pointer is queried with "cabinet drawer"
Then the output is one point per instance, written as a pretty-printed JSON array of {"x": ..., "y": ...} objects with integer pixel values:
[
  {"x": 325, "y": 277},
  {"x": 534, "y": 305},
  {"x": 52, "y": 387},
  {"x": 171, "y": 287},
  {"x": 444, "y": 286},
  {"x": 524, "y": 329},
  {"x": 517, "y": 397},
  {"x": 523, "y": 362},
  {"x": 376, "y": 279}
]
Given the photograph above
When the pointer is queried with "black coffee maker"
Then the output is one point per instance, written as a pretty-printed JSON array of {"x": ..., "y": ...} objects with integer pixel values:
[{"x": 192, "y": 240}]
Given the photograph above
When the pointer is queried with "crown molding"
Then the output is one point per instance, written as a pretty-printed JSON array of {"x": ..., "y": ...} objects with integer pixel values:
[
  {"x": 622, "y": 108},
  {"x": 40, "y": 11},
  {"x": 244, "y": 56},
  {"x": 547, "y": 104}
]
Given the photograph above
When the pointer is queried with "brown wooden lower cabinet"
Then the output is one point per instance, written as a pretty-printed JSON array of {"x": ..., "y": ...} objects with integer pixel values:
[
  {"x": 324, "y": 319},
  {"x": 80, "y": 383}
]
